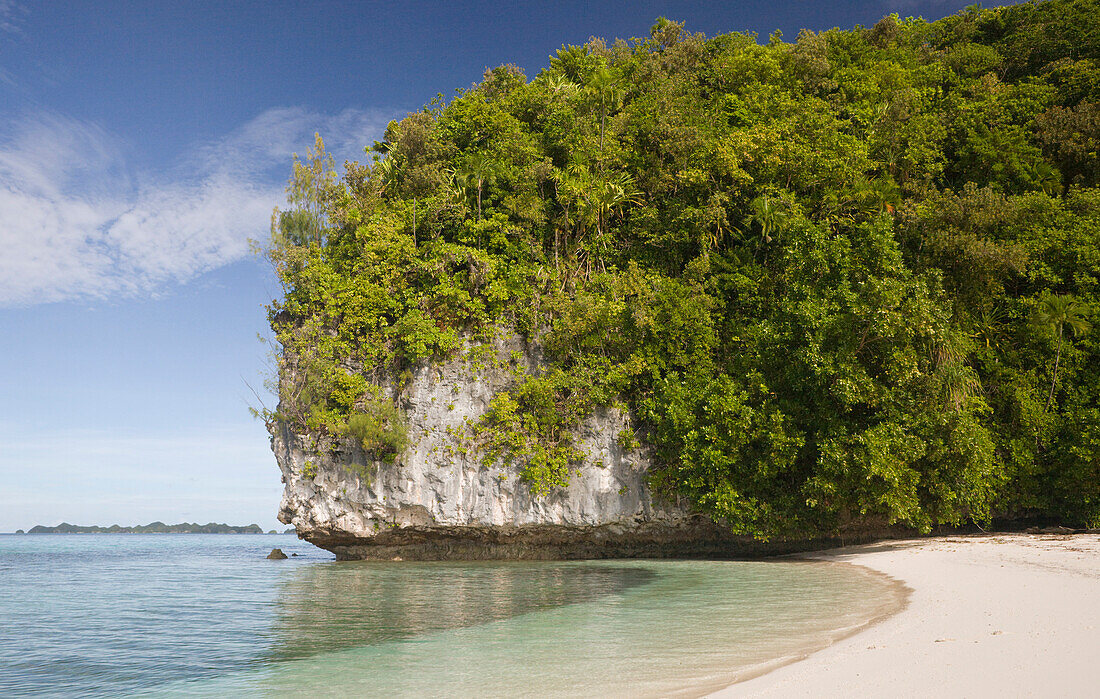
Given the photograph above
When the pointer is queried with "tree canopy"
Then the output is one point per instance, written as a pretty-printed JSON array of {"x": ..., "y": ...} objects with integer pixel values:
[{"x": 839, "y": 281}]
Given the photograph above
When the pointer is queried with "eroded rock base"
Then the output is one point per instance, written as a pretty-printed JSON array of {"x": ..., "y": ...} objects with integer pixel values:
[{"x": 699, "y": 539}]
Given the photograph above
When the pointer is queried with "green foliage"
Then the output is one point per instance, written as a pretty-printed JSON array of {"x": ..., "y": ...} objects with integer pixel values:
[
  {"x": 831, "y": 279},
  {"x": 1055, "y": 314},
  {"x": 531, "y": 426},
  {"x": 309, "y": 469},
  {"x": 627, "y": 440},
  {"x": 380, "y": 428}
]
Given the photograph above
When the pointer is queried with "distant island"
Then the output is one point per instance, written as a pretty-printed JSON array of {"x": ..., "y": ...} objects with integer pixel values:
[{"x": 154, "y": 528}]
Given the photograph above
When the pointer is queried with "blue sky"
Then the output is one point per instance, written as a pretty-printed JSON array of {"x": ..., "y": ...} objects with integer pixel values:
[{"x": 143, "y": 144}]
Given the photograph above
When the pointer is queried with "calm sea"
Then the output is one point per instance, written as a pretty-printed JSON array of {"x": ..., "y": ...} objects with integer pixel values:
[{"x": 208, "y": 615}]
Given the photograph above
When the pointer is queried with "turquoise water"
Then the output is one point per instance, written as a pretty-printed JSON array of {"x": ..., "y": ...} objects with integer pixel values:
[{"x": 207, "y": 615}]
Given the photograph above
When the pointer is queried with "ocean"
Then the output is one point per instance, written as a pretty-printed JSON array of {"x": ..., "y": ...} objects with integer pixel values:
[{"x": 208, "y": 615}]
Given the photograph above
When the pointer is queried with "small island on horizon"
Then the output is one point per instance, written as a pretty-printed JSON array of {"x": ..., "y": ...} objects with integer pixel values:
[{"x": 153, "y": 528}]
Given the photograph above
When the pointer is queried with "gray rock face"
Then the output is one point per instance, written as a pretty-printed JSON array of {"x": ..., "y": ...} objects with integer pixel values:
[{"x": 438, "y": 499}]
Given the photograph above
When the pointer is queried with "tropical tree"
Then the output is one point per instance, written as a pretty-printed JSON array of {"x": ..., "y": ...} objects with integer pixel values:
[
  {"x": 766, "y": 214},
  {"x": 410, "y": 169},
  {"x": 559, "y": 83},
  {"x": 459, "y": 184},
  {"x": 394, "y": 173},
  {"x": 479, "y": 171},
  {"x": 312, "y": 187},
  {"x": 595, "y": 201},
  {"x": 608, "y": 195},
  {"x": 605, "y": 95},
  {"x": 1055, "y": 313}
]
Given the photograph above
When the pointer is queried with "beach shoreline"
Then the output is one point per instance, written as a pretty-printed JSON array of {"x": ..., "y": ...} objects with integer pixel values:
[{"x": 988, "y": 615}]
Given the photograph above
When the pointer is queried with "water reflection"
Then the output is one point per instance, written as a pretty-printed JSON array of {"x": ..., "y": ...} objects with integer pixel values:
[
  {"x": 415, "y": 630},
  {"x": 327, "y": 607}
]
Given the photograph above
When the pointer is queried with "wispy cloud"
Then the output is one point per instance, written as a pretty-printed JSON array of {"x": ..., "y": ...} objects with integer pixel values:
[
  {"x": 77, "y": 222},
  {"x": 11, "y": 15}
]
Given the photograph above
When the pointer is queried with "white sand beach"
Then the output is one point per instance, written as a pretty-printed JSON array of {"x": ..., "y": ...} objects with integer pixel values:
[{"x": 989, "y": 616}]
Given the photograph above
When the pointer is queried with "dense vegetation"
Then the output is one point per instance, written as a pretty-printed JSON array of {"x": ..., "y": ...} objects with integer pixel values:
[{"x": 842, "y": 280}]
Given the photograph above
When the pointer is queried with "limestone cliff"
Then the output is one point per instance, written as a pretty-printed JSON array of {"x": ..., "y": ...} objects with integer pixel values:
[{"x": 439, "y": 500}]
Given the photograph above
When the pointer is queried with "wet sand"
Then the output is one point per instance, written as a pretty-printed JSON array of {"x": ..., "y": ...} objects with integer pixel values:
[{"x": 989, "y": 616}]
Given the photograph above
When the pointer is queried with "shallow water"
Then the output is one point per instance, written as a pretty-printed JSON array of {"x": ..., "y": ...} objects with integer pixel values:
[{"x": 207, "y": 615}]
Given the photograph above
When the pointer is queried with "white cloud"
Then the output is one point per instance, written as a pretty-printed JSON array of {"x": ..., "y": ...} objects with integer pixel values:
[{"x": 75, "y": 222}]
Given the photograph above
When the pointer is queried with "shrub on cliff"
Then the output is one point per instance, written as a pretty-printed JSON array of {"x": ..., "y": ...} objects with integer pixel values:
[{"x": 379, "y": 428}]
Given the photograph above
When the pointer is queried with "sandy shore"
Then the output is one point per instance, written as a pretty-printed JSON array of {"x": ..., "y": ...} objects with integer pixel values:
[{"x": 991, "y": 616}]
